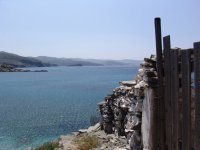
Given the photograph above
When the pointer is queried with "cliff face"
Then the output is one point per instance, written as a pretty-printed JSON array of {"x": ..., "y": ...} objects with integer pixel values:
[{"x": 123, "y": 111}]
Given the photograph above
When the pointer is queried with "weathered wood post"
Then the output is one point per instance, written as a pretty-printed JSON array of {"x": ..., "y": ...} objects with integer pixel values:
[
  {"x": 174, "y": 96},
  {"x": 197, "y": 93},
  {"x": 167, "y": 93},
  {"x": 186, "y": 96},
  {"x": 161, "y": 105}
]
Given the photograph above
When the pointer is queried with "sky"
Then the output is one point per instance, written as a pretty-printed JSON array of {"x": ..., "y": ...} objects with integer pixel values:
[{"x": 100, "y": 29}]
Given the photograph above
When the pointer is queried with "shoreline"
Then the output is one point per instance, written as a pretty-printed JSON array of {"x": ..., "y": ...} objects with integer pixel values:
[
  {"x": 10, "y": 68},
  {"x": 105, "y": 141}
]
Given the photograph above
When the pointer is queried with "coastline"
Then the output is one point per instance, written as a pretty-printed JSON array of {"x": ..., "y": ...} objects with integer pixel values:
[
  {"x": 121, "y": 115},
  {"x": 105, "y": 141},
  {"x": 10, "y": 68},
  {"x": 123, "y": 118}
]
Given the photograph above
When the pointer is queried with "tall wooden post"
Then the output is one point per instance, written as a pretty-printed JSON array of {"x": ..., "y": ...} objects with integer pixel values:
[
  {"x": 174, "y": 58},
  {"x": 161, "y": 106},
  {"x": 186, "y": 94},
  {"x": 197, "y": 93},
  {"x": 167, "y": 93}
]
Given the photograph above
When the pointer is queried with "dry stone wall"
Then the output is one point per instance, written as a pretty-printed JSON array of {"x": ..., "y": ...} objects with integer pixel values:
[{"x": 122, "y": 112}]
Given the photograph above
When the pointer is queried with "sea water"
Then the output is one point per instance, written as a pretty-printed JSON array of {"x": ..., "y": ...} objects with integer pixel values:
[{"x": 36, "y": 107}]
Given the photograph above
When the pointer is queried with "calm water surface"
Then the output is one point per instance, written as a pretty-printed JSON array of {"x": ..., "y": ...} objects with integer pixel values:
[{"x": 36, "y": 107}]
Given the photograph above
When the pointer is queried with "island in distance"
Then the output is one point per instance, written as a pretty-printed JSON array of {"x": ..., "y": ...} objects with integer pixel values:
[{"x": 11, "y": 62}]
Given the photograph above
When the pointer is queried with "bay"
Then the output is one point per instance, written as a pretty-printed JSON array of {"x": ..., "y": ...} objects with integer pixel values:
[{"x": 36, "y": 107}]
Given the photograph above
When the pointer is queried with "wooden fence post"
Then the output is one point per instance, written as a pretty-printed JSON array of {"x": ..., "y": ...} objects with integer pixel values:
[
  {"x": 174, "y": 96},
  {"x": 160, "y": 122},
  {"x": 197, "y": 93},
  {"x": 186, "y": 96},
  {"x": 167, "y": 93}
]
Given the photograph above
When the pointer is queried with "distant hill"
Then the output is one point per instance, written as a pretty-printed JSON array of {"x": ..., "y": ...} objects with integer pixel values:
[
  {"x": 131, "y": 62},
  {"x": 105, "y": 62},
  {"x": 44, "y": 61},
  {"x": 20, "y": 61},
  {"x": 87, "y": 62},
  {"x": 66, "y": 61}
]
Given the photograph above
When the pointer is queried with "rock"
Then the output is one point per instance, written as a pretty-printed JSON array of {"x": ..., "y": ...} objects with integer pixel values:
[
  {"x": 146, "y": 64},
  {"x": 103, "y": 147},
  {"x": 82, "y": 130},
  {"x": 94, "y": 128},
  {"x": 120, "y": 148},
  {"x": 151, "y": 61},
  {"x": 133, "y": 123},
  {"x": 128, "y": 83},
  {"x": 135, "y": 141},
  {"x": 108, "y": 127},
  {"x": 140, "y": 85},
  {"x": 90, "y": 129}
]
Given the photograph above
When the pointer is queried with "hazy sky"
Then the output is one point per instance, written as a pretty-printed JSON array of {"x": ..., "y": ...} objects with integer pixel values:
[{"x": 114, "y": 29}]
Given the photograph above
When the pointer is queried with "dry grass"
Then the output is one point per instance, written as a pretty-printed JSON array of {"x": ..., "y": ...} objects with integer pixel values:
[
  {"x": 86, "y": 142},
  {"x": 48, "y": 146}
]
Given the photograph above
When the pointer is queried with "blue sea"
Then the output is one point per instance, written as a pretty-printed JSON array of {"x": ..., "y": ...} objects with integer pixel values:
[{"x": 36, "y": 107}]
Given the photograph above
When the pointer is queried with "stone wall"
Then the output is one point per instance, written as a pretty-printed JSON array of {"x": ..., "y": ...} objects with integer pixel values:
[{"x": 125, "y": 111}]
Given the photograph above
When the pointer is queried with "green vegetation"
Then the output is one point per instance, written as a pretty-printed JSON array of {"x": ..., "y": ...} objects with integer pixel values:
[
  {"x": 87, "y": 142},
  {"x": 49, "y": 146}
]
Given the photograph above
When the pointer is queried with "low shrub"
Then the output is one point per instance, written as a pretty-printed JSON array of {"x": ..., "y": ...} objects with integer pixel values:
[{"x": 48, "y": 146}]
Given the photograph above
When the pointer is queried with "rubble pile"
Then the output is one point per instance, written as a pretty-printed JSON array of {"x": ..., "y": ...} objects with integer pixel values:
[{"x": 121, "y": 111}]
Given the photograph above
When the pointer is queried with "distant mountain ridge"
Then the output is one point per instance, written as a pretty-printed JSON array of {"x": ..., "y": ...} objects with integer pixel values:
[
  {"x": 20, "y": 61},
  {"x": 107, "y": 62},
  {"x": 66, "y": 61},
  {"x": 45, "y": 61}
]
